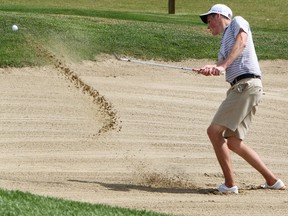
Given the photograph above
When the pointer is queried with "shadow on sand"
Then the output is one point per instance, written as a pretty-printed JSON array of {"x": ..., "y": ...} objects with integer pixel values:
[{"x": 129, "y": 187}]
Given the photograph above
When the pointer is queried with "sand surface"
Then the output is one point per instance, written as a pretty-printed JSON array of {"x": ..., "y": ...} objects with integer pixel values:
[{"x": 134, "y": 136}]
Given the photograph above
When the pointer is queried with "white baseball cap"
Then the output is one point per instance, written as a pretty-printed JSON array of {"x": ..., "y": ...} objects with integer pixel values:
[{"x": 218, "y": 9}]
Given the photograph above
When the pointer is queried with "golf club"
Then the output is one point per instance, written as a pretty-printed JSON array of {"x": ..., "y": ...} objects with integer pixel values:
[
  {"x": 156, "y": 64},
  {"x": 152, "y": 63}
]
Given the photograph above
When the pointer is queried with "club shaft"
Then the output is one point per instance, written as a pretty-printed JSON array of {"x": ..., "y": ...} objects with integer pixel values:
[{"x": 155, "y": 64}]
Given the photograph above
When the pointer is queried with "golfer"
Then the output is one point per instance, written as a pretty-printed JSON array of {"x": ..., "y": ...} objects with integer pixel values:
[{"x": 231, "y": 122}]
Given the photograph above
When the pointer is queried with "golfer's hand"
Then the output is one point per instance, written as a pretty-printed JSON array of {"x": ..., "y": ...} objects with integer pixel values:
[{"x": 210, "y": 70}]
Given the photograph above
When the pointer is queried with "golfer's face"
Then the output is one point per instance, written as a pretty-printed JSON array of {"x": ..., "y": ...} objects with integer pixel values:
[{"x": 212, "y": 24}]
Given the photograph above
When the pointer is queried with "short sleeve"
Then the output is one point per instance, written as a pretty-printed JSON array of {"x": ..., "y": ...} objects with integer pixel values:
[{"x": 240, "y": 23}]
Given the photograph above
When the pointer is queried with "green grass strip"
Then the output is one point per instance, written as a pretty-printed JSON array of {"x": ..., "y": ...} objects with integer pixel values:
[{"x": 26, "y": 204}]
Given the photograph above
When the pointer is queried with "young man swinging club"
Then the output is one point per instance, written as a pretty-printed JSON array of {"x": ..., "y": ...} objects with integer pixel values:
[{"x": 231, "y": 122}]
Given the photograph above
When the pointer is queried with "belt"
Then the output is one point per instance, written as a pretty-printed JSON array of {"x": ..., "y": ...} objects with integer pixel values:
[{"x": 244, "y": 76}]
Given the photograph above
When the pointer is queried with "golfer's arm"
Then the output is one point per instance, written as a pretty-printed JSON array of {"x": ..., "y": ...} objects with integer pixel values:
[{"x": 237, "y": 49}]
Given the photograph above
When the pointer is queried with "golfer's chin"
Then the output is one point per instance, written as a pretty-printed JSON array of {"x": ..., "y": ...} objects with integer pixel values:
[{"x": 214, "y": 33}]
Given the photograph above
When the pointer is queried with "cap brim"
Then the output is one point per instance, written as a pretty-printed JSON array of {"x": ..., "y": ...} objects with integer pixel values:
[{"x": 204, "y": 17}]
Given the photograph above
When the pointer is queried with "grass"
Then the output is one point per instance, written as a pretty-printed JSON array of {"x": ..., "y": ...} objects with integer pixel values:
[
  {"x": 81, "y": 29},
  {"x": 25, "y": 204}
]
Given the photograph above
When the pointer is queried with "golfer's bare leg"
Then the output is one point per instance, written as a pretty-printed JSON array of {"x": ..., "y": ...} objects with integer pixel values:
[
  {"x": 248, "y": 154},
  {"x": 215, "y": 133}
]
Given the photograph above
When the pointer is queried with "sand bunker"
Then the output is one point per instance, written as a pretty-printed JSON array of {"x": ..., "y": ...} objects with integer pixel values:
[{"x": 153, "y": 153}]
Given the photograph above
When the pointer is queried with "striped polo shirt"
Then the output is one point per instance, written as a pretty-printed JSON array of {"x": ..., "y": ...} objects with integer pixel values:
[{"x": 247, "y": 62}]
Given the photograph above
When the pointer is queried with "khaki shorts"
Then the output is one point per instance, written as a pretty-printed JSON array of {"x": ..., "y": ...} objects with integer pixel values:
[{"x": 237, "y": 110}]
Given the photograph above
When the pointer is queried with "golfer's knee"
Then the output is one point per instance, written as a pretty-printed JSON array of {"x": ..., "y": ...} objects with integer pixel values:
[
  {"x": 234, "y": 144},
  {"x": 214, "y": 132},
  {"x": 210, "y": 131}
]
